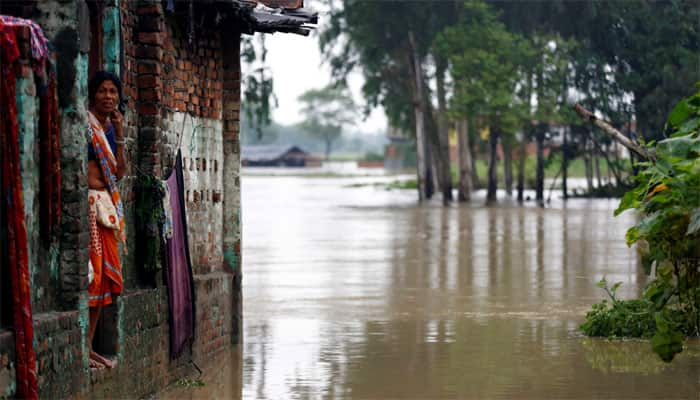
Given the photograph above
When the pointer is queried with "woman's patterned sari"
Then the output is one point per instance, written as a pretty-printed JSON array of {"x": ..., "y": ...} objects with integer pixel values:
[{"x": 104, "y": 253}]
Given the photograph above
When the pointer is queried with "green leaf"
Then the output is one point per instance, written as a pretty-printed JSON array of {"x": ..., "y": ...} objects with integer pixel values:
[
  {"x": 680, "y": 113},
  {"x": 602, "y": 283},
  {"x": 629, "y": 200},
  {"x": 676, "y": 146},
  {"x": 632, "y": 235},
  {"x": 667, "y": 342},
  {"x": 688, "y": 126},
  {"x": 615, "y": 287},
  {"x": 694, "y": 224}
]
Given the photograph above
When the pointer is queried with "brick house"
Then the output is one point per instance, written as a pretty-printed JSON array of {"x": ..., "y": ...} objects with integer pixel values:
[{"x": 180, "y": 66}]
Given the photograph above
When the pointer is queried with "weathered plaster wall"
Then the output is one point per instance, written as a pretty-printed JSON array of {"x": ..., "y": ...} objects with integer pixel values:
[
  {"x": 231, "y": 176},
  {"x": 203, "y": 155}
]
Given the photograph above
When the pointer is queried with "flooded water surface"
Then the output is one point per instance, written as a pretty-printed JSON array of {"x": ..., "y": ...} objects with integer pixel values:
[{"x": 357, "y": 292}]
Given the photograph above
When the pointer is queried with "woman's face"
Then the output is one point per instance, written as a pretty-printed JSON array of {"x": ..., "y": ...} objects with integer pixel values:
[{"x": 106, "y": 98}]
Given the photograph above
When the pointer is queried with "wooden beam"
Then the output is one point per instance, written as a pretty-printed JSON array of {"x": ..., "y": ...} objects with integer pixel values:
[{"x": 288, "y": 4}]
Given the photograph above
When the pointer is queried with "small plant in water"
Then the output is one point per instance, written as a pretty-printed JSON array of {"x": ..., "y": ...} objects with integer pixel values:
[
  {"x": 187, "y": 382},
  {"x": 619, "y": 318}
]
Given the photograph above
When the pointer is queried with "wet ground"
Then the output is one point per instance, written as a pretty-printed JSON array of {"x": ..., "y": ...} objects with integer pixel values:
[{"x": 359, "y": 292}]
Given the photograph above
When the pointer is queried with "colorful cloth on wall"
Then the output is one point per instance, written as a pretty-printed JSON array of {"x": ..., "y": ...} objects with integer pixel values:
[
  {"x": 179, "y": 268},
  {"x": 13, "y": 207},
  {"x": 39, "y": 43},
  {"x": 104, "y": 248},
  {"x": 49, "y": 128}
]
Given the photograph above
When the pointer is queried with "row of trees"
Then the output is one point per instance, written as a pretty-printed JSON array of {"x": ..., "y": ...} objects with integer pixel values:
[{"x": 514, "y": 69}]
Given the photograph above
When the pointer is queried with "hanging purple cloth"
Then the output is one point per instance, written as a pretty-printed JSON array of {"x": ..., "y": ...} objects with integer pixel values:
[{"x": 179, "y": 268}]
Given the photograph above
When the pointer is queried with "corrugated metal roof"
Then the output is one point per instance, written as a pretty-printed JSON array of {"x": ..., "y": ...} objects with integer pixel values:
[{"x": 269, "y": 16}]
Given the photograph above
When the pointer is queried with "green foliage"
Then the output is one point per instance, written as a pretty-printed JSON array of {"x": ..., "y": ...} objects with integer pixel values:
[
  {"x": 667, "y": 197},
  {"x": 373, "y": 156},
  {"x": 619, "y": 318},
  {"x": 258, "y": 85},
  {"x": 325, "y": 113},
  {"x": 485, "y": 60},
  {"x": 405, "y": 184},
  {"x": 635, "y": 318},
  {"x": 360, "y": 35},
  {"x": 189, "y": 383}
]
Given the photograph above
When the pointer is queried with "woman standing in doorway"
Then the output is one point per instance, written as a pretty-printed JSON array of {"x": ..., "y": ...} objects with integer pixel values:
[{"x": 106, "y": 166}]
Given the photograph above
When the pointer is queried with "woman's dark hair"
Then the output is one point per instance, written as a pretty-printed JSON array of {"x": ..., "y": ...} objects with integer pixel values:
[{"x": 96, "y": 81}]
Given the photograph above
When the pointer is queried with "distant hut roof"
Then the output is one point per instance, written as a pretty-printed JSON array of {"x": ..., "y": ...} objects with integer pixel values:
[{"x": 262, "y": 153}]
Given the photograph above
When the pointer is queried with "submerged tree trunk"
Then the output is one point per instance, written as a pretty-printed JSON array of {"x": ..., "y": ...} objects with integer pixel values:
[
  {"x": 617, "y": 171},
  {"x": 588, "y": 164},
  {"x": 493, "y": 159},
  {"x": 539, "y": 178},
  {"x": 433, "y": 146},
  {"x": 609, "y": 165},
  {"x": 527, "y": 135},
  {"x": 507, "y": 144},
  {"x": 443, "y": 131},
  {"x": 328, "y": 149},
  {"x": 564, "y": 163},
  {"x": 473, "y": 151},
  {"x": 430, "y": 179},
  {"x": 522, "y": 157},
  {"x": 465, "y": 161},
  {"x": 596, "y": 162},
  {"x": 422, "y": 160}
]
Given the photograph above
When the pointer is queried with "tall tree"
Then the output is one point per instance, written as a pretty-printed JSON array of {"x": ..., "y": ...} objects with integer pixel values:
[
  {"x": 326, "y": 111},
  {"x": 484, "y": 59},
  {"x": 361, "y": 34}
]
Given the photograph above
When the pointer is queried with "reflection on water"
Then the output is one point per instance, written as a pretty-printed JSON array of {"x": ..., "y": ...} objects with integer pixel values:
[{"x": 361, "y": 293}]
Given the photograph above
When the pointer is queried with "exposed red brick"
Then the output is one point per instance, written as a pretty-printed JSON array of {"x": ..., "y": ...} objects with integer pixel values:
[
  {"x": 148, "y": 109},
  {"x": 149, "y": 52},
  {"x": 154, "y": 38},
  {"x": 148, "y": 81},
  {"x": 150, "y": 95},
  {"x": 151, "y": 23},
  {"x": 148, "y": 9},
  {"x": 146, "y": 67}
]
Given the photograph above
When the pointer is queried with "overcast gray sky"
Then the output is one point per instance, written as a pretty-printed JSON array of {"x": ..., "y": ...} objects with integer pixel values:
[{"x": 295, "y": 62}]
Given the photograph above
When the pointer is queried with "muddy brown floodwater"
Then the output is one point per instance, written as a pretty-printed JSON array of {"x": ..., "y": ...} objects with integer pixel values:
[{"x": 361, "y": 293}]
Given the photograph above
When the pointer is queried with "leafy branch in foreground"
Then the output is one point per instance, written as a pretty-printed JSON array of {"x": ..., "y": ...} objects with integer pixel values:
[{"x": 667, "y": 197}]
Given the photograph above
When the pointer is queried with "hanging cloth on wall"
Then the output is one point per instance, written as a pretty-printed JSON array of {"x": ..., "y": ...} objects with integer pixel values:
[
  {"x": 13, "y": 208},
  {"x": 49, "y": 128},
  {"x": 179, "y": 267}
]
